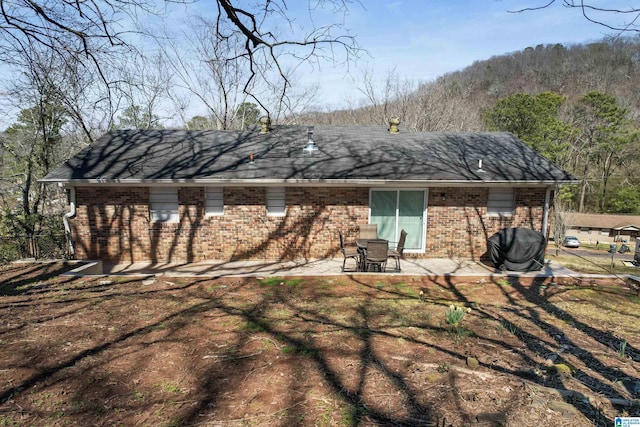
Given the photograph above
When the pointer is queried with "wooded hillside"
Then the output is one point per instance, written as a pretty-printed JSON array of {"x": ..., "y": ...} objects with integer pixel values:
[{"x": 579, "y": 105}]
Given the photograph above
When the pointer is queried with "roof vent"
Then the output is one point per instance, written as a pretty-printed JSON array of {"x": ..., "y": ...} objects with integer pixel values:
[
  {"x": 265, "y": 124},
  {"x": 480, "y": 166},
  {"x": 393, "y": 124},
  {"x": 311, "y": 144}
]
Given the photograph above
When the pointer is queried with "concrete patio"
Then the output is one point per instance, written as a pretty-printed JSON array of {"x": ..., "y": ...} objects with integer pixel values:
[{"x": 325, "y": 267}]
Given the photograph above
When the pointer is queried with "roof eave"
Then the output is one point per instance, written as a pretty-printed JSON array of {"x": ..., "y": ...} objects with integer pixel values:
[{"x": 306, "y": 182}]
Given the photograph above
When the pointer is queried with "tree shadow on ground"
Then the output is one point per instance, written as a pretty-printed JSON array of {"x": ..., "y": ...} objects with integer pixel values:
[
  {"x": 268, "y": 322},
  {"x": 18, "y": 279},
  {"x": 558, "y": 346}
]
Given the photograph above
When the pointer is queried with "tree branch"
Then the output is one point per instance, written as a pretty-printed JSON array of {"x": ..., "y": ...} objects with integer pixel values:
[{"x": 587, "y": 9}]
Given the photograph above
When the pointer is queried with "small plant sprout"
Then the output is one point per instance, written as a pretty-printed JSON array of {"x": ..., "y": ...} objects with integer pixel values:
[
  {"x": 623, "y": 349},
  {"x": 443, "y": 367},
  {"x": 455, "y": 314}
]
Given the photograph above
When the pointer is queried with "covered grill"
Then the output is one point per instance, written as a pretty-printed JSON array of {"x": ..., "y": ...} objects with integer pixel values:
[{"x": 517, "y": 249}]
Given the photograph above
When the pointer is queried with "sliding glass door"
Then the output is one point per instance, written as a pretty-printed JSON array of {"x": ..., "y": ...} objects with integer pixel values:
[{"x": 395, "y": 210}]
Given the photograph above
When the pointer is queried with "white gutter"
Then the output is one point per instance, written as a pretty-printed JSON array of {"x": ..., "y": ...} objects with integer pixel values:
[
  {"x": 545, "y": 215},
  {"x": 67, "y": 217}
]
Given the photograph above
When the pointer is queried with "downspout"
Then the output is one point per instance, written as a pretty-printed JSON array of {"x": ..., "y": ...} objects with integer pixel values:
[
  {"x": 67, "y": 217},
  {"x": 545, "y": 215}
]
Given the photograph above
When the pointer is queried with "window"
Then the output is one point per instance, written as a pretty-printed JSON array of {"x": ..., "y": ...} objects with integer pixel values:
[
  {"x": 276, "y": 201},
  {"x": 501, "y": 201},
  {"x": 163, "y": 204},
  {"x": 214, "y": 201}
]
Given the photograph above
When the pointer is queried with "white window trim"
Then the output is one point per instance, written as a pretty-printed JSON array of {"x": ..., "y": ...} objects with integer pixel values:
[
  {"x": 214, "y": 201},
  {"x": 501, "y": 202},
  {"x": 163, "y": 204},
  {"x": 276, "y": 201}
]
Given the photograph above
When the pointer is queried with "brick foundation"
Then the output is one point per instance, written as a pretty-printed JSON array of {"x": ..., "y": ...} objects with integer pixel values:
[{"x": 113, "y": 224}]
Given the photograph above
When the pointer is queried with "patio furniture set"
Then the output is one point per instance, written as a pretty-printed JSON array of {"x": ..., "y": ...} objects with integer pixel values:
[{"x": 370, "y": 252}]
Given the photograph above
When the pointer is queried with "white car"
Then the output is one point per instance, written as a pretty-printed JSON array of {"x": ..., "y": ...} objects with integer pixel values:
[{"x": 571, "y": 242}]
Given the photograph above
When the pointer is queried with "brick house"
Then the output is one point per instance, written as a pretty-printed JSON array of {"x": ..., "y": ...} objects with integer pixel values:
[
  {"x": 284, "y": 192},
  {"x": 602, "y": 227}
]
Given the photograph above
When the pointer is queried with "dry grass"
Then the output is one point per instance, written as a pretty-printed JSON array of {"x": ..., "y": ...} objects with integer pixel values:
[{"x": 594, "y": 265}]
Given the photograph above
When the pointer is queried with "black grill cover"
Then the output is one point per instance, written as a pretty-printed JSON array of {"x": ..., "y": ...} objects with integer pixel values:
[{"x": 517, "y": 249}]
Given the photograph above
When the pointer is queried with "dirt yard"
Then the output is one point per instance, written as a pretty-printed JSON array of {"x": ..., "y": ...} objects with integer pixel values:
[{"x": 350, "y": 351}]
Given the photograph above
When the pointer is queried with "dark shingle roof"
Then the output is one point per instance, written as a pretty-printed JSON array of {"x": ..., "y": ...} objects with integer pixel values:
[{"x": 345, "y": 154}]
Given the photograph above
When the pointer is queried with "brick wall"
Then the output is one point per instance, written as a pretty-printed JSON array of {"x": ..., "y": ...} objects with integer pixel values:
[
  {"x": 459, "y": 226},
  {"x": 113, "y": 224}
]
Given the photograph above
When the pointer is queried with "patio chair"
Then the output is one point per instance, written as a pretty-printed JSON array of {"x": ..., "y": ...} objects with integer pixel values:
[
  {"x": 397, "y": 252},
  {"x": 349, "y": 252},
  {"x": 376, "y": 254},
  {"x": 368, "y": 231}
]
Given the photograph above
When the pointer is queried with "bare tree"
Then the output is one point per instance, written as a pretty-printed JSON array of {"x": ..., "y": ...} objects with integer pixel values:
[
  {"x": 391, "y": 96},
  {"x": 445, "y": 105},
  {"x": 148, "y": 83},
  {"x": 263, "y": 47},
  {"x": 89, "y": 32},
  {"x": 199, "y": 61},
  {"x": 33, "y": 66},
  {"x": 82, "y": 30},
  {"x": 296, "y": 100},
  {"x": 561, "y": 216},
  {"x": 597, "y": 13}
]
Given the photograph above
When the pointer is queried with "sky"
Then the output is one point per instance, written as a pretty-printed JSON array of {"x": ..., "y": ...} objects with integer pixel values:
[
  {"x": 424, "y": 39},
  {"x": 420, "y": 40}
]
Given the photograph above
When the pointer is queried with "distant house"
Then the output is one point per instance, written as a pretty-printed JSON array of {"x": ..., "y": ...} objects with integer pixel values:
[
  {"x": 618, "y": 227},
  {"x": 285, "y": 192}
]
